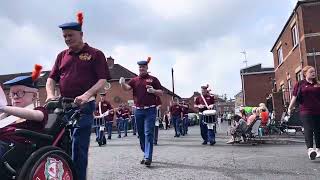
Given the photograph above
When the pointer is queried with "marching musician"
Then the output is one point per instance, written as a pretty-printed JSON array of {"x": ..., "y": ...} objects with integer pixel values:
[
  {"x": 126, "y": 113},
  {"x": 81, "y": 72},
  {"x": 119, "y": 121},
  {"x": 145, "y": 90},
  {"x": 105, "y": 109},
  {"x": 207, "y": 135},
  {"x": 176, "y": 116},
  {"x": 185, "y": 119}
]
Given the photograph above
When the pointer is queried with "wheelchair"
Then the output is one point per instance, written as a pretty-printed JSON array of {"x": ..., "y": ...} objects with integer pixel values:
[
  {"x": 251, "y": 135},
  {"x": 44, "y": 155}
]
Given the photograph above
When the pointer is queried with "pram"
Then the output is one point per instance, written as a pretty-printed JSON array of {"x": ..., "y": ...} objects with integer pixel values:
[{"x": 44, "y": 155}]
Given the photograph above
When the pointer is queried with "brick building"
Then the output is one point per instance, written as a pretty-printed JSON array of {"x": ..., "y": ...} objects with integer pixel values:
[
  {"x": 116, "y": 95},
  {"x": 297, "y": 46},
  {"x": 257, "y": 82},
  {"x": 225, "y": 106},
  {"x": 238, "y": 101}
]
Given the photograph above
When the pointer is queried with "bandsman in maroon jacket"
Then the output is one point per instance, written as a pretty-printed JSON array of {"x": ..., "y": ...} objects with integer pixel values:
[
  {"x": 185, "y": 120},
  {"x": 126, "y": 113},
  {"x": 176, "y": 117},
  {"x": 145, "y": 88},
  {"x": 81, "y": 72},
  {"x": 119, "y": 117},
  {"x": 207, "y": 135}
]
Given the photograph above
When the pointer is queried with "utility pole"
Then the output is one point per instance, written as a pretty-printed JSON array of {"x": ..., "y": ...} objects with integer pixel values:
[
  {"x": 242, "y": 78},
  {"x": 172, "y": 78}
]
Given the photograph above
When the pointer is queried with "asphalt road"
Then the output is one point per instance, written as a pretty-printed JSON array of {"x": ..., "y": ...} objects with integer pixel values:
[{"x": 185, "y": 158}]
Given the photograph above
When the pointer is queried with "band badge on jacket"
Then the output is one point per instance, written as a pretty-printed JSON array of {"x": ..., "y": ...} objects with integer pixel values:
[
  {"x": 85, "y": 57},
  {"x": 149, "y": 80}
]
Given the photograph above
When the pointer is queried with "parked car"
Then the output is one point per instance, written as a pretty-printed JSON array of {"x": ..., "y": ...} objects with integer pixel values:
[{"x": 193, "y": 119}]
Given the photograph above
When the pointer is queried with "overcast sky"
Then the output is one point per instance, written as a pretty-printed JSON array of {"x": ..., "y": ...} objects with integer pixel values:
[{"x": 200, "y": 39}]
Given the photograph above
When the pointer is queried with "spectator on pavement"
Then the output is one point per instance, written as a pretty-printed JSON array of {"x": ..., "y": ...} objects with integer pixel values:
[
  {"x": 306, "y": 93},
  {"x": 239, "y": 128}
]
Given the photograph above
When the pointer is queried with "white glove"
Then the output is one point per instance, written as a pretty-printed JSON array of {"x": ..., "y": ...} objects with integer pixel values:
[
  {"x": 3, "y": 99},
  {"x": 106, "y": 113},
  {"x": 122, "y": 80},
  {"x": 150, "y": 89},
  {"x": 289, "y": 111},
  {"x": 201, "y": 106},
  {"x": 210, "y": 106}
]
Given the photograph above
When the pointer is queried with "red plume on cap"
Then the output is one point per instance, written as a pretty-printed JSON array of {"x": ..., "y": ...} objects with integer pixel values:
[
  {"x": 80, "y": 17},
  {"x": 36, "y": 72},
  {"x": 149, "y": 59}
]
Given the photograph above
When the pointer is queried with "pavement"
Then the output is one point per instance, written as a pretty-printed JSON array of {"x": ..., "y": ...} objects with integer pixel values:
[{"x": 278, "y": 157}]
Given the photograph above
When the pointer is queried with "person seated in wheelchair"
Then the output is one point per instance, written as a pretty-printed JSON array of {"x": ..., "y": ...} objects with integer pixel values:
[
  {"x": 23, "y": 95},
  {"x": 238, "y": 129}
]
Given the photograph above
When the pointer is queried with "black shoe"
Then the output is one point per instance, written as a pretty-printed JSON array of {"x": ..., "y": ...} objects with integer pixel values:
[
  {"x": 109, "y": 137},
  {"x": 125, "y": 135},
  {"x": 175, "y": 136},
  {"x": 142, "y": 161},
  {"x": 155, "y": 143},
  {"x": 147, "y": 162},
  {"x": 204, "y": 143},
  {"x": 134, "y": 134},
  {"x": 119, "y": 136},
  {"x": 212, "y": 143}
]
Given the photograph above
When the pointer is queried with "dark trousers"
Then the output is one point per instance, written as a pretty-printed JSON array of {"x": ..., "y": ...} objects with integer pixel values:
[
  {"x": 134, "y": 125},
  {"x": 145, "y": 119},
  {"x": 203, "y": 129},
  {"x": 109, "y": 128},
  {"x": 156, "y": 133},
  {"x": 125, "y": 126},
  {"x": 167, "y": 124},
  {"x": 81, "y": 139},
  {"x": 311, "y": 124},
  {"x": 185, "y": 123},
  {"x": 119, "y": 125},
  {"x": 175, "y": 121}
]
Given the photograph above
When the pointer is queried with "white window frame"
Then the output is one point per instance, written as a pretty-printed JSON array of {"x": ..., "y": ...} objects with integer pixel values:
[
  {"x": 290, "y": 88},
  {"x": 299, "y": 76},
  {"x": 295, "y": 36},
  {"x": 280, "y": 55}
]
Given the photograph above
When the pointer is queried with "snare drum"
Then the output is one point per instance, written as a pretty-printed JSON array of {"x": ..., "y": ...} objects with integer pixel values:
[
  {"x": 98, "y": 121},
  {"x": 209, "y": 116}
]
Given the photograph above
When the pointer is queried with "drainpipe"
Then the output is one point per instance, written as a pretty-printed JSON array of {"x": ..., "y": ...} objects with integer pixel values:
[{"x": 301, "y": 60}]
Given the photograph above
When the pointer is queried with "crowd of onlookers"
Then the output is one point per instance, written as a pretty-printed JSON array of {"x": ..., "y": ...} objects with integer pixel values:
[{"x": 246, "y": 118}]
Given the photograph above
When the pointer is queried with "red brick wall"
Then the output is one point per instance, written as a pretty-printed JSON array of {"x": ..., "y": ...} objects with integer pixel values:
[
  {"x": 308, "y": 22},
  {"x": 256, "y": 86}
]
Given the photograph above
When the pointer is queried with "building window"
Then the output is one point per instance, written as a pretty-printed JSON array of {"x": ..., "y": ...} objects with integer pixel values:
[
  {"x": 280, "y": 55},
  {"x": 298, "y": 76},
  {"x": 295, "y": 35},
  {"x": 290, "y": 88}
]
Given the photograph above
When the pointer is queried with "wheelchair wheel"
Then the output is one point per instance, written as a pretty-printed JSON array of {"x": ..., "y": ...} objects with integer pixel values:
[
  {"x": 50, "y": 164},
  {"x": 31, "y": 160}
]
